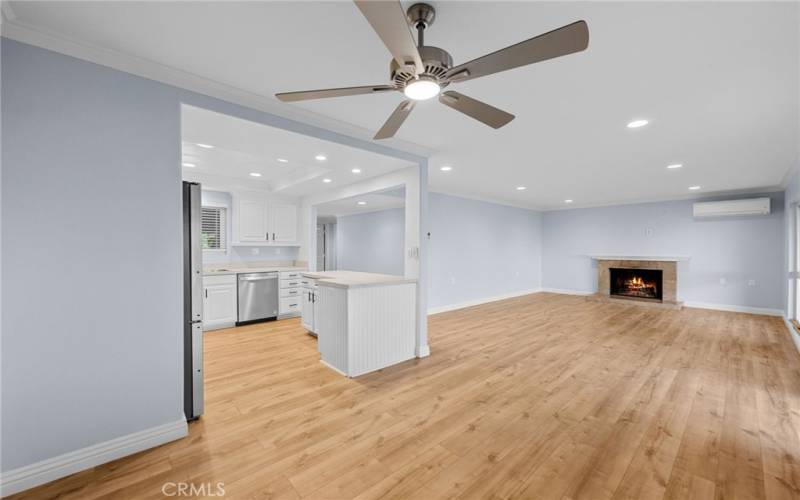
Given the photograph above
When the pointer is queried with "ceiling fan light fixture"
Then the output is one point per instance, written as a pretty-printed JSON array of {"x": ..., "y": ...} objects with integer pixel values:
[{"x": 422, "y": 89}]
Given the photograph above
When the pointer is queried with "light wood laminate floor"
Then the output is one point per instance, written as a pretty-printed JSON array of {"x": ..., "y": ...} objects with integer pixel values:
[{"x": 541, "y": 396}]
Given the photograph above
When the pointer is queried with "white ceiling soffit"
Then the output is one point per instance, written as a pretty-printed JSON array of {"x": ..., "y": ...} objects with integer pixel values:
[
  {"x": 717, "y": 80},
  {"x": 253, "y": 156},
  {"x": 372, "y": 202}
]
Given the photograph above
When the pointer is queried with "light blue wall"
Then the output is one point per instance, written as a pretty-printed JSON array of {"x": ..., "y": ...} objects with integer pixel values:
[
  {"x": 91, "y": 206},
  {"x": 735, "y": 248},
  {"x": 91, "y": 255},
  {"x": 480, "y": 250},
  {"x": 236, "y": 255},
  {"x": 371, "y": 242}
]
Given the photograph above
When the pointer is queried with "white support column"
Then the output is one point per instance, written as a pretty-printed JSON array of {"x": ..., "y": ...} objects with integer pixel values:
[{"x": 423, "y": 349}]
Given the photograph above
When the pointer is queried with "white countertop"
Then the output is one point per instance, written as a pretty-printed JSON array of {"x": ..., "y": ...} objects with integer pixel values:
[
  {"x": 353, "y": 279},
  {"x": 652, "y": 258},
  {"x": 213, "y": 271}
]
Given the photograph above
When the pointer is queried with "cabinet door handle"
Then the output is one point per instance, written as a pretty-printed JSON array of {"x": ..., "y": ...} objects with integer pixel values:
[
  {"x": 292, "y": 305},
  {"x": 206, "y": 290},
  {"x": 273, "y": 236}
]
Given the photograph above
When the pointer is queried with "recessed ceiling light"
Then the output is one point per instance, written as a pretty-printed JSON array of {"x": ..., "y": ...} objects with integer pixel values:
[
  {"x": 207, "y": 146},
  {"x": 521, "y": 188},
  {"x": 186, "y": 164},
  {"x": 356, "y": 170},
  {"x": 674, "y": 166},
  {"x": 282, "y": 160},
  {"x": 637, "y": 123},
  {"x": 320, "y": 157},
  {"x": 362, "y": 203},
  {"x": 694, "y": 188},
  {"x": 326, "y": 180},
  {"x": 255, "y": 174},
  {"x": 567, "y": 201},
  {"x": 446, "y": 168}
]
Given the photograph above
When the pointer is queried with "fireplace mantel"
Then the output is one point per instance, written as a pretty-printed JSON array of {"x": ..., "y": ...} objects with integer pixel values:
[{"x": 650, "y": 258}]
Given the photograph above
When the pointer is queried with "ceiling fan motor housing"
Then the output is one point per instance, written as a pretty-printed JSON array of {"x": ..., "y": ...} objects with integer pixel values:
[{"x": 436, "y": 61}]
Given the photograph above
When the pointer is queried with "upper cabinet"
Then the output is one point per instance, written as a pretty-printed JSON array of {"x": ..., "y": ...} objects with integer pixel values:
[
  {"x": 284, "y": 222},
  {"x": 264, "y": 221}
]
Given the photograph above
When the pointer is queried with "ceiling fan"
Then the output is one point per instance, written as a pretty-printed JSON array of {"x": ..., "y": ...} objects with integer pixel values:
[{"x": 421, "y": 71}]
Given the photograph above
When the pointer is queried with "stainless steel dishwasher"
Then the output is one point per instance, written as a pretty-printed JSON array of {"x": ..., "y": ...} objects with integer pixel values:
[{"x": 258, "y": 297}]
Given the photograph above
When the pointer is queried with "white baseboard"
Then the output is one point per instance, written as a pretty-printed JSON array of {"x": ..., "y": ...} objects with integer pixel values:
[
  {"x": 793, "y": 333},
  {"x": 422, "y": 351},
  {"x": 742, "y": 309},
  {"x": 26, "y": 477},
  {"x": 340, "y": 372},
  {"x": 566, "y": 292},
  {"x": 477, "y": 302}
]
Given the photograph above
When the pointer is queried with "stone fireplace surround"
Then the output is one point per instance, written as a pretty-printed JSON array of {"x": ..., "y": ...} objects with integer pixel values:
[{"x": 667, "y": 264}]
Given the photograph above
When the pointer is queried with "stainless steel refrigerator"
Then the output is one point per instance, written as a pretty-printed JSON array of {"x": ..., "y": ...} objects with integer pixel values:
[{"x": 192, "y": 303}]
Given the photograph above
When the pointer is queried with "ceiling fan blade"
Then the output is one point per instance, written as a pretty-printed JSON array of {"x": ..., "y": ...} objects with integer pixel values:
[
  {"x": 306, "y": 95},
  {"x": 481, "y": 111},
  {"x": 560, "y": 42},
  {"x": 392, "y": 125},
  {"x": 388, "y": 19}
]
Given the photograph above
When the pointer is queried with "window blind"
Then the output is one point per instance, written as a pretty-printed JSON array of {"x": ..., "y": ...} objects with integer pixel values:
[{"x": 212, "y": 224}]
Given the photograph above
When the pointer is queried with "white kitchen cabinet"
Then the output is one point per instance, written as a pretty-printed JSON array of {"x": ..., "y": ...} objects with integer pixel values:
[
  {"x": 259, "y": 220},
  {"x": 252, "y": 216},
  {"x": 290, "y": 290},
  {"x": 284, "y": 222},
  {"x": 307, "y": 303},
  {"x": 219, "y": 302}
]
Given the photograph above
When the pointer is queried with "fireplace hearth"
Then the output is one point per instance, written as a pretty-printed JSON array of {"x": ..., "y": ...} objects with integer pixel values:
[{"x": 636, "y": 283}]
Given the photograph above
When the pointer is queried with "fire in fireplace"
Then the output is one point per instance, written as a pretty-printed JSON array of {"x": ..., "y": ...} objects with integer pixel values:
[{"x": 639, "y": 283}]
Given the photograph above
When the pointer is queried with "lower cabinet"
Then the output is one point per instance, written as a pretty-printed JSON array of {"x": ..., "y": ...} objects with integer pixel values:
[
  {"x": 290, "y": 294},
  {"x": 219, "y": 301},
  {"x": 307, "y": 309}
]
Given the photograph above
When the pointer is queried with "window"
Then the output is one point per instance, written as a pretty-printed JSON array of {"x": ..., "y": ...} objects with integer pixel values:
[{"x": 213, "y": 228}]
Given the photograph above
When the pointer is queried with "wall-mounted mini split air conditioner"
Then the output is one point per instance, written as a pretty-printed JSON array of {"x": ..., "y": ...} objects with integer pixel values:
[{"x": 729, "y": 208}]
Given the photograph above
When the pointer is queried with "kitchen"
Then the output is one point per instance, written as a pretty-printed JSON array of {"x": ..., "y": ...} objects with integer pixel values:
[{"x": 252, "y": 192}]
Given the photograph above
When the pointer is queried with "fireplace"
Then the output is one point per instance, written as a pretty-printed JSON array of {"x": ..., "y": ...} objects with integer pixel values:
[{"x": 636, "y": 283}]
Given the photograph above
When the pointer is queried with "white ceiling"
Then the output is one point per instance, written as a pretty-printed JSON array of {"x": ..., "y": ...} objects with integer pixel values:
[
  {"x": 717, "y": 80},
  {"x": 372, "y": 202},
  {"x": 242, "y": 147}
]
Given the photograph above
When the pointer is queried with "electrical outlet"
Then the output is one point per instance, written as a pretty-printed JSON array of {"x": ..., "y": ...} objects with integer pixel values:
[
  {"x": 751, "y": 282},
  {"x": 723, "y": 281},
  {"x": 649, "y": 232},
  {"x": 277, "y": 251},
  {"x": 254, "y": 251},
  {"x": 452, "y": 280}
]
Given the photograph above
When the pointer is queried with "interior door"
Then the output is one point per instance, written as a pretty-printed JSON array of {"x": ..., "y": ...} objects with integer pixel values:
[{"x": 252, "y": 220}]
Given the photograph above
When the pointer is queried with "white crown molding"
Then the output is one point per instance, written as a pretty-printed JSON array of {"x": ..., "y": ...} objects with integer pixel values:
[
  {"x": 703, "y": 196},
  {"x": 27, "y": 477},
  {"x": 788, "y": 175},
  {"x": 16, "y": 29},
  {"x": 7, "y": 12},
  {"x": 485, "y": 199}
]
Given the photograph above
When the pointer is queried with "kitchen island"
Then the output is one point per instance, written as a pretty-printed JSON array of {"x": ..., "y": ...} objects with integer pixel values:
[{"x": 364, "y": 321}]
